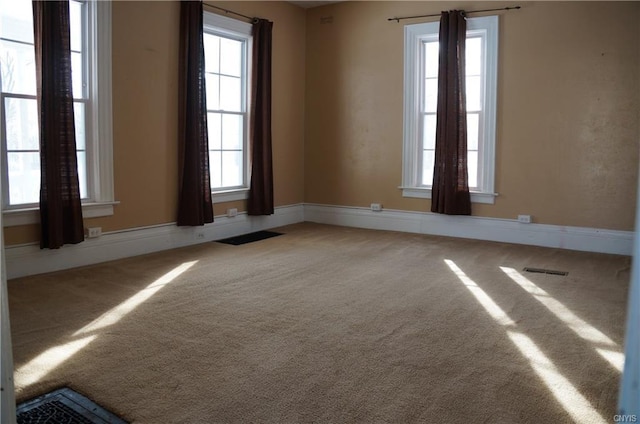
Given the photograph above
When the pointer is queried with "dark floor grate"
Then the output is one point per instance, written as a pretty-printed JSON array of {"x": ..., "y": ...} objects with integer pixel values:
[
  {"x": 249, "y": 238},
  {"x": 546, "y": 271},
  {"x": 64, "y": 406},
  {"x": 52, "y": 412}
]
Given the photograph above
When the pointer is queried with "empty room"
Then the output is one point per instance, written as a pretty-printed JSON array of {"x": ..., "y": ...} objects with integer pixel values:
[{"x": 319, "y": 211}]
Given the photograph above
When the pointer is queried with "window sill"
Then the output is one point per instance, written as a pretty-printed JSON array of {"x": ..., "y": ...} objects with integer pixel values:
[
  {"x": 230, "y": 195},
  {"x": 27, "y": 216},
  {"x": 425, "y": 193}
]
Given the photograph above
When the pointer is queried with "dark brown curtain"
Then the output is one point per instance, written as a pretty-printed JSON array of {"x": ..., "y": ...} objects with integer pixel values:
[
  {"x": 261, "y": 190},
  {"x": 195, "y": 206},
  {"x": 450, "y": 192},
  {"x": 60, "y": 205}
]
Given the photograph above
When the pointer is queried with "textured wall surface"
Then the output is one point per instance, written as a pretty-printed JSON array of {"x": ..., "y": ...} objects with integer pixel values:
[
  {"x": 567, "y": 129},
  {"x": 567, "y": 125},
  {"x": 145, "y": 112}
]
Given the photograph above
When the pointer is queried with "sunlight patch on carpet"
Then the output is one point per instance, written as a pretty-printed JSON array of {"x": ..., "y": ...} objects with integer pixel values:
[
  {"x": 49, "y": 360},
  {"x": 34, "y": 370},
  {"x": 489, "y": 305},
  {"x": 607, "y": 348},
  {"x": 567, "y": 395},
  {"x": 116, "y": 314}
]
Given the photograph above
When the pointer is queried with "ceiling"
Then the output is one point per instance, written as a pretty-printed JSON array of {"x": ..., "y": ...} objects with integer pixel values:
[{"x": 307, "y": 4}]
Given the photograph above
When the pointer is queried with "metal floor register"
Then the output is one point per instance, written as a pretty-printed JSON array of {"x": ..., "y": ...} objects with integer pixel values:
[{"x": 64, "y": 406}]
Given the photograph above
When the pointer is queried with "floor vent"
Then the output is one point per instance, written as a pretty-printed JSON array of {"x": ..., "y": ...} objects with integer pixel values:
[
  {"x": 546, "y": 271},
  {"x": 249, "y": 238},
  {"x": 64, "y": 406}
]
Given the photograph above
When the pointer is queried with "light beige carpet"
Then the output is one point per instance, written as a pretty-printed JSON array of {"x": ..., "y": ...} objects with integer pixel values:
[{"x": 330, "y": 325}]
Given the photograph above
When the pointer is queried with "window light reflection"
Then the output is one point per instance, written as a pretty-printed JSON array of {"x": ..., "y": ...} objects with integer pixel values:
[
  {"x": 49, "y": 360},
  {"x": 605, "y": 347},
  {"x": 576, "y": 405},
  {"x": 116, "y": 314}
]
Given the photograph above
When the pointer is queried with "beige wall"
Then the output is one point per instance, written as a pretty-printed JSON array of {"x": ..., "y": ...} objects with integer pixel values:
[
  {"x": 567, "y": 130},
  {"x": 145, "y": 77},
  {"x": 567, "y": 146}
]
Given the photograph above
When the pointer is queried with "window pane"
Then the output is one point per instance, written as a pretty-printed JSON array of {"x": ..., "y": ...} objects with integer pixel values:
[
  {"x": 16, "y": 20},
  {"x": 232, "y": 132},
  {"x": 211, "y": 53},
  {"x": 215, "y": 169},
  {"x": 18, "y": 67},
  {"x": 430, "y": 94},
  {"x": 213, "y": 91},
  {"x": 82, "y": 173},
  {"x": 22, "y": 124},
  {"x": 231, "y": 169},
  {"x": 24, "y": 177},
  {"x": 473, "y": 93},
  {"x": 472, "y": 167},
  {"x": 429, "y": 132},
  {"x": 473, "y": 126},
  {"x": 428, "y": 157},
  {"x": 473, "y": 56},
  {"x": 230, "y": 94},
  {"x": 77, "y": 78},
  {"x": 75, "y": 21},
  {"x": 214, "y": 126},
  {"x": 231, "y": 54},
  {"x": 431, "y": 59},
  {"x": 79, "y": 122}
]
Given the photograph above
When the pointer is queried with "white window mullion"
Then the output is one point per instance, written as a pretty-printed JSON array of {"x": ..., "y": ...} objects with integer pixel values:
[
  {"x": 490, "y": 50},
  {"x": 413, "y": 104},
  {"x": 5, "y": 168},
  {"x": 100, "y": 91}
]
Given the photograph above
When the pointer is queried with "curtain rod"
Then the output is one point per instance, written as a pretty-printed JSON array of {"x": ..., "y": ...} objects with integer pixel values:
[
  {"x": 227, "y": 11},
  {"x": 438, "y": 14}
]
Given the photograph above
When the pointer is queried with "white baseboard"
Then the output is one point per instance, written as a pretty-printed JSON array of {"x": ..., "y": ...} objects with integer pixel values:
[
  {"x": 492, "y": 229},
  {"x": 29, "y": 259}
]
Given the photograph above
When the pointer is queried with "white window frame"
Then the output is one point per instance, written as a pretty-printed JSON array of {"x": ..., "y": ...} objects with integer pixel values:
[
  {"x": 232, "y": 28},
  {"x": 415, "y": 35},
  {"x": 99, "y": 129}
]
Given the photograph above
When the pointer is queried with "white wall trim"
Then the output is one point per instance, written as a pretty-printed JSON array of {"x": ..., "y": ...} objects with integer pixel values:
[
  {"x": 425, "y": 193},
  {"x": 29, "y": 259},
  {"x": 23, "y": 260},
  {"x": 473, "y": 227}
]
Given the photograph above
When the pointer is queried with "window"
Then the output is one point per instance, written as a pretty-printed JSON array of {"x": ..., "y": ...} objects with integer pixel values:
[
  {"x": 421, "y": 94},
  {"x": 91, "y": 84},
  {"x": 227, "y": 43}
]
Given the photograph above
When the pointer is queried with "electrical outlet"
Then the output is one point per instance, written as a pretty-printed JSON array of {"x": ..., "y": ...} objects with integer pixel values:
[
  {"x": 525, "y": 219},
  {"x": 199, "y": 234},
  {"x": 232, "y": 212},
  {"x": 376, "y": 207},
  {"x": 94, "y": 232}
]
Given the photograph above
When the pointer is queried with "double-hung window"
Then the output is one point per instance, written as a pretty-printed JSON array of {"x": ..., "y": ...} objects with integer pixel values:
[
  {"x": 90, "y": 42},
  {"x": 227, "y": 44},
  {"x": 420, "y": 106}
]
